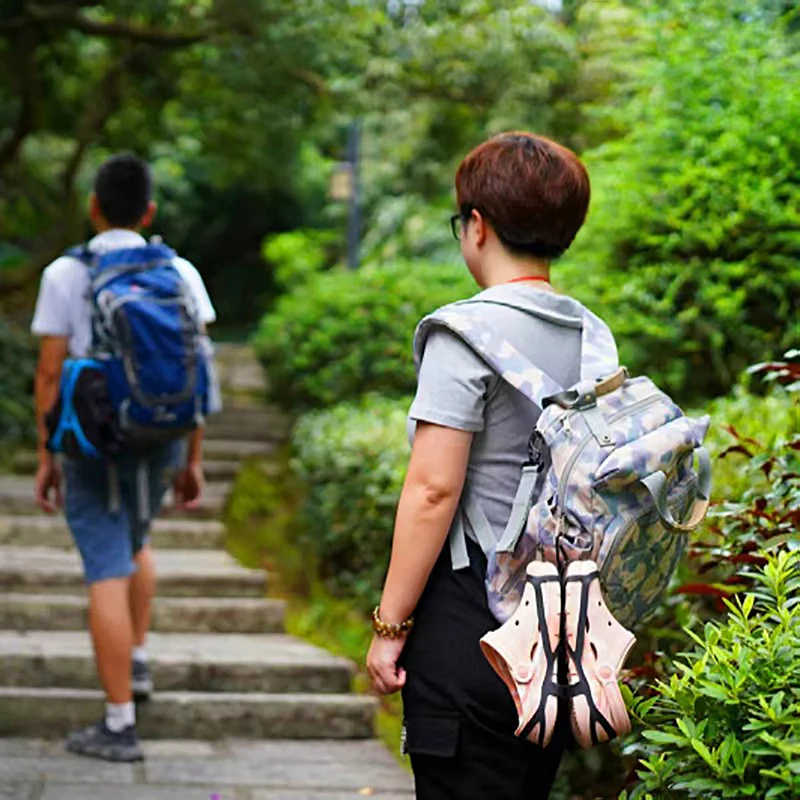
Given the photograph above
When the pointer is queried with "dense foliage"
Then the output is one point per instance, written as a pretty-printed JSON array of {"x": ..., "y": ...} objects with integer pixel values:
[
  {"x": 244, "y": 107},
  {"x": 727, "y": 722},
  {"x": 352, "y": 460},
  {"x": 17, "y": 362},
  {"x": 344, "y": 333},
  {"x": 693, "y": 245}
]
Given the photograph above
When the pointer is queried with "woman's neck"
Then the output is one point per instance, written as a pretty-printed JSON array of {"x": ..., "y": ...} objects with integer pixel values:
[{"x": 505, "y": 269}]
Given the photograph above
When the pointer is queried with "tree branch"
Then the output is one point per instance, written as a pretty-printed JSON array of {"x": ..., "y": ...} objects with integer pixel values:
[
  {"x": 102, "y": 104},
  {"x": 26, "y": 73},
  {"x": 68, "y": 17},
  {"x": 312, "y": 79}
]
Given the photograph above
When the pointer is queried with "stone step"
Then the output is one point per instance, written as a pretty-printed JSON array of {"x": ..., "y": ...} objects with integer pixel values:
[
  {"x": 181, "y": 573},
  {"x": 238, "y": 369},
  {"x": 170, "y": 614},
  {"x": 231, "y": 449},
  {"x": 248, "y": 424},
  {"x": 52, "y": 713},
  {"x": 239, "y": 430},
  {"x": 212, "y": 662},
  {"x": 52, "y": 531},
  {"x": 197, "y": 770},
  {"x": 16, "y": 497},
  {"x": 24, "y": 463}
]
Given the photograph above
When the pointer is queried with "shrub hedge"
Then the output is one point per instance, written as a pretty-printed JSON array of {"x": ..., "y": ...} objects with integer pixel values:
[
  {"x": 352, "y": 459},
  {"x": 17, "y": 367},
  {"x": 342, "y": 334},
  {"x": 727, "y": 722}
]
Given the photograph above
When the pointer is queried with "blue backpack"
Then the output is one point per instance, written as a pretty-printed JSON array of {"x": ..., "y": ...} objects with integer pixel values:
[{"x": 146, "y": 381}]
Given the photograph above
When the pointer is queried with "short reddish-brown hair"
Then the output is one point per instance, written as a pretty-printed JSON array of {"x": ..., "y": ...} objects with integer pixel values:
[{"x": 533, "y": 192}]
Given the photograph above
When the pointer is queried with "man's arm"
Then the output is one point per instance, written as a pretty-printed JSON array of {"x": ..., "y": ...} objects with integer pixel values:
[
  {"x": 189, "y": 481},
  {"x": 52, "y": 353}
]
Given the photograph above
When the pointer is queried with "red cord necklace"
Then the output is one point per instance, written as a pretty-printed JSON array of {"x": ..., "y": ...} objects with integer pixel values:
[{"x": 529, "y": 278}]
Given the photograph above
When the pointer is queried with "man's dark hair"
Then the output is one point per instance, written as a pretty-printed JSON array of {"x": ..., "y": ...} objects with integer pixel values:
[{"x": 124, "y": 187}]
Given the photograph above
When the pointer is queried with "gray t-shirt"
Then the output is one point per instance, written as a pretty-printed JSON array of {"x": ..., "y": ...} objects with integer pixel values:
[{"x": 457, "y": 389}]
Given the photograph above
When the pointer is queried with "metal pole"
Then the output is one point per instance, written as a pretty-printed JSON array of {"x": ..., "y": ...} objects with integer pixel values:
[{"x": 354, "y": 217}]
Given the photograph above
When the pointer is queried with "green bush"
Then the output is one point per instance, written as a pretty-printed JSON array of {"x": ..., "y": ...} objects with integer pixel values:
[
  {"x": 692, "y": 249},
  {"x": 727, "y": 722},
  {"x": 17, "y": 366},
  {"x": 352, "y": 459},
  {"x": 298, "y": 255},
  {"x": 345, "y": 333},
  {"x": 766, "y": 420}
]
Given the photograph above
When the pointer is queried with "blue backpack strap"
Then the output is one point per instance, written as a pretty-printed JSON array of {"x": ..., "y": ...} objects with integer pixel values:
[
  {"x": 130, "y": 259},
  {"x": 81, "y": 253}
]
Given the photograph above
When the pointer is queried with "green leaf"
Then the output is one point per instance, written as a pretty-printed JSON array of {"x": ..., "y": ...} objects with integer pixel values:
[
  {"x": 704, "y": 753},
  {"x": 662, "y": 737}
]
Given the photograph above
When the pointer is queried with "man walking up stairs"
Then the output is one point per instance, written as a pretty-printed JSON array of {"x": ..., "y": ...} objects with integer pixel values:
[{"x": 242, "y": 711}]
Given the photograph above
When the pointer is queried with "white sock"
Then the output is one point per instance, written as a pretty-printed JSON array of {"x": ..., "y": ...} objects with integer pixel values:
[
  {"x": 120, "y": 716},
  {"x": 140, "y": 654}
]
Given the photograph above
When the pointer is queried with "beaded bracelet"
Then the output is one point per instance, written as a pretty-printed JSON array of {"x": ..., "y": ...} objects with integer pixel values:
[{"x": 387, "y": 630}]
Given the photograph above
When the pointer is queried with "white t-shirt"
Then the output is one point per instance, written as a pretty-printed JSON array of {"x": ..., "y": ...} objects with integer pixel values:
[{"x": 63, "y": 307}]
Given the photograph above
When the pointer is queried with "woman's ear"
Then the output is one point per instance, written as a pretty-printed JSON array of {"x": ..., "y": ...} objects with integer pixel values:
[{"x": 479, "y": 227}]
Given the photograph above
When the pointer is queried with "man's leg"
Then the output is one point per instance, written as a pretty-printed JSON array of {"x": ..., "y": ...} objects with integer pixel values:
[
  {"x": 158, "y": 471},
  {"x": 111, "y": 627},
  {"x": 104, "y": 541},
  {"x": 142, "y": 591}
]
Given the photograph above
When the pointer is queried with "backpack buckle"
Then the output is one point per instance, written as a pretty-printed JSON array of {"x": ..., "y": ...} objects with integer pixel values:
[
  {"x": 538, "y": 451},
  {"x": 572, "y": 400}
]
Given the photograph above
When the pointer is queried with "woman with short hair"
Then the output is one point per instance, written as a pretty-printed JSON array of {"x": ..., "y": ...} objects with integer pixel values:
[{"x": 521, "y": 201}]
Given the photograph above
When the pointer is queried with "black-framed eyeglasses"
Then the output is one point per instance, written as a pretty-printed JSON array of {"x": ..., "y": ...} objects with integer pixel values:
[{"x": 456, "y": 226}]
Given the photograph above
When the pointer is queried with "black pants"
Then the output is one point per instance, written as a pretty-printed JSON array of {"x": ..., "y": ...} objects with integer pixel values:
[
  {"x": 460, "y": 718},
  {"x": 486, "y": 768}
]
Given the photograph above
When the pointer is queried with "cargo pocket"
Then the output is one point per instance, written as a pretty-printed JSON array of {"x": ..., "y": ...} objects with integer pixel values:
[{"x": 432, "y": 735}]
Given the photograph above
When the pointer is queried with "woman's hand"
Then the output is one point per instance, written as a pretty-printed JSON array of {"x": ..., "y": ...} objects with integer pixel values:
[{"x": 386, "y": 676}]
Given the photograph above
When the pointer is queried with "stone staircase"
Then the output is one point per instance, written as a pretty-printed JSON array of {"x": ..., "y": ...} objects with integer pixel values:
[{"x": 222, "y": 664}]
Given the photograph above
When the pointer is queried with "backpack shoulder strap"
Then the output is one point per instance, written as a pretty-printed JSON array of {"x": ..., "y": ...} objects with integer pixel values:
[
  {"x": 599, "y": 356},
  {"x": 494, "y": 349},
  {"x": 130, "y": 259},
  {"x": 81, "y": 253}
]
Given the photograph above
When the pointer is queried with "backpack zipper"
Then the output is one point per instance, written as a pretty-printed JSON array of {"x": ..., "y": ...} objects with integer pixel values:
[{"x": 626, "y": 412}]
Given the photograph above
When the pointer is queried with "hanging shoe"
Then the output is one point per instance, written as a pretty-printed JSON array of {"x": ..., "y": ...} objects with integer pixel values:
[
  {"x": 596, "y": 647},
  {"x": 523, "y": 653}
]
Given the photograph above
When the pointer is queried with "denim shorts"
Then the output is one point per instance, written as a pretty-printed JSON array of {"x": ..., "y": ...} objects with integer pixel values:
[{"x": 109, "y": 506}]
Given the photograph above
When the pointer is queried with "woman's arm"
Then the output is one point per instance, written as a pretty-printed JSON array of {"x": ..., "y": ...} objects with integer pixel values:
[{"x": 428, "y": 502}]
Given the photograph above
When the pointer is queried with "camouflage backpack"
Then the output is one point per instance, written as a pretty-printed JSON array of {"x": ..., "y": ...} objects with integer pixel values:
[{"x": 610, "y": 477}]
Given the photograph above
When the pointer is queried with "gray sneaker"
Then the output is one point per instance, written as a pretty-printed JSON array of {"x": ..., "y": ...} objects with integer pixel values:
[
  {"x": 141, "y": 681},
  {"x": 97, "y": 741}
]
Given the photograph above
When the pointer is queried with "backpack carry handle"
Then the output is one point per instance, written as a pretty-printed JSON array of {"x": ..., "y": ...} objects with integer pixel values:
[
  {"x": 656, "y": 484},
  {"x": 586, "y": 394}
]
